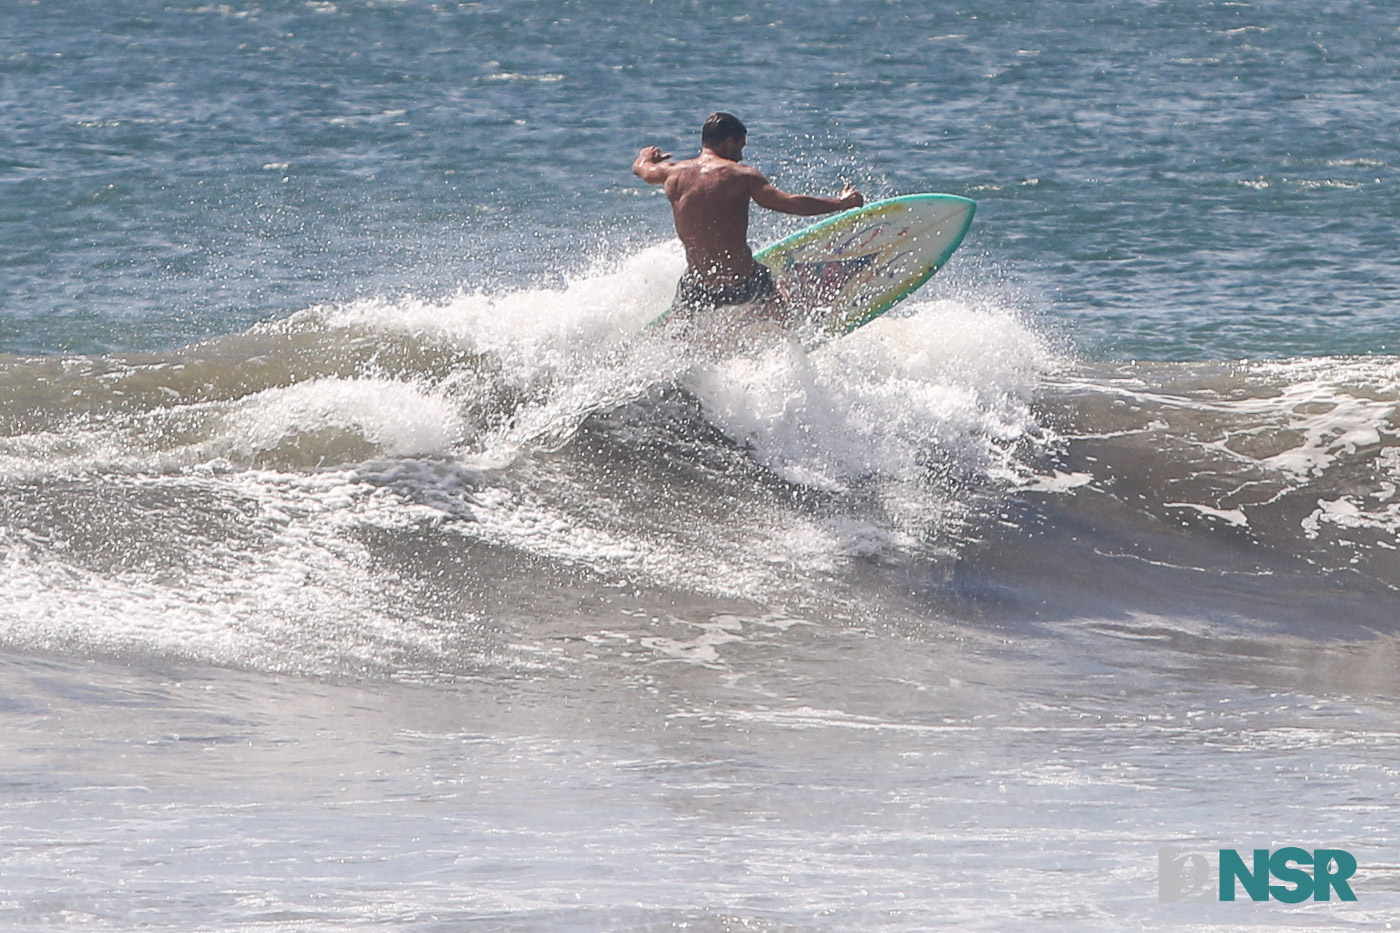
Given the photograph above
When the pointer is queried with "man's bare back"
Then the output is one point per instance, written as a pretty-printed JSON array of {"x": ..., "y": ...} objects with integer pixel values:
[
  {"x": 710, "y": 197},
  {"x": 710, "y": 201}
]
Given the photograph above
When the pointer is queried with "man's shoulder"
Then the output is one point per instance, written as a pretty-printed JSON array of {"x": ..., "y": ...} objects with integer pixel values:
[
  {"x": 737, "y": 173},
  {"x": 708, "y": 172},
  {"x": 712, "y": 177},
  {"x": 718, "y": 166}
]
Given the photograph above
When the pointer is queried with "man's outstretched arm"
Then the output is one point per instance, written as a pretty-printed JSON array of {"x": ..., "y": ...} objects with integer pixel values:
[
  {"x": 768, "y": 195},
  {"x": 651, "y": 165}
]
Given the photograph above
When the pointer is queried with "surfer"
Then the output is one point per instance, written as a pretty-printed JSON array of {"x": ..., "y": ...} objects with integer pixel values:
[{"x": 710, "y": 197}]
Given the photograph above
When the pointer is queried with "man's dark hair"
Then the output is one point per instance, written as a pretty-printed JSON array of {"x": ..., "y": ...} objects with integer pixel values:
[{"x": 721, "y": 126}]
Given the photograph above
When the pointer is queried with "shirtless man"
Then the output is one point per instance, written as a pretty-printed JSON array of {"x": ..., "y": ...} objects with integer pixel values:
[{"x": 710, "y": 197}]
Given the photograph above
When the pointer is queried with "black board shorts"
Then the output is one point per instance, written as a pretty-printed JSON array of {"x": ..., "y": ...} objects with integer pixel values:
[{"x": 692, "y": 296}]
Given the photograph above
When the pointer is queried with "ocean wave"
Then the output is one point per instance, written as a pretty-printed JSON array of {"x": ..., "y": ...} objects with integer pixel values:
[
  {"x": 410, "y": 463},
  {"x": 1218, "y": 493}
]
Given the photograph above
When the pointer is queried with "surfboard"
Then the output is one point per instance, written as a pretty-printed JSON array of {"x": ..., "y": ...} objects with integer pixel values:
[{"x": 847, "y": 270}]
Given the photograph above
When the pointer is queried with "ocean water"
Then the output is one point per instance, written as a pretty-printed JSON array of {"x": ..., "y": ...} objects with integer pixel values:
[{"x": 363, "y": 565}]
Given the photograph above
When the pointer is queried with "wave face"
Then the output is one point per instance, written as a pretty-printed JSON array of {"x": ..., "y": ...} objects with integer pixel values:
[
  {"x": 396, "y": 468},
  {"x": 375, "y": 485},
  {"x": 1217, "y": 493}
]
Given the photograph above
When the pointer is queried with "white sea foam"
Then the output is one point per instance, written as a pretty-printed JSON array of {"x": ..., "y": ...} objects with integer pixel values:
[
  {"x": 278, "y": 584},
  {"x": 398, "y": 418},
  {"x": 1279, "y": 448},
  {"x": 538, "y": 328},
  {"x": 891, "y": 424},
  {"x": 1234, "y": 517},
  {"x": 944, "y": 392}
]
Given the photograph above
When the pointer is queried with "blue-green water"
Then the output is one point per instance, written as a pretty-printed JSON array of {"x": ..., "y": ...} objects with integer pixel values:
[
  {"x": 1167, "y": 180},
  {"x": 363, "y": 566}
]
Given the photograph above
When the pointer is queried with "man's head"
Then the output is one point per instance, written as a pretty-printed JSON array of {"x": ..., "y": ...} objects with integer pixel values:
[{"x": 725, "y": 134}]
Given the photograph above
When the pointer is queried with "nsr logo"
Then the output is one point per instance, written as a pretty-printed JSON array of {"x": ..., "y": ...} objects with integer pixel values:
[{"x": 1183, "y": 875}]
